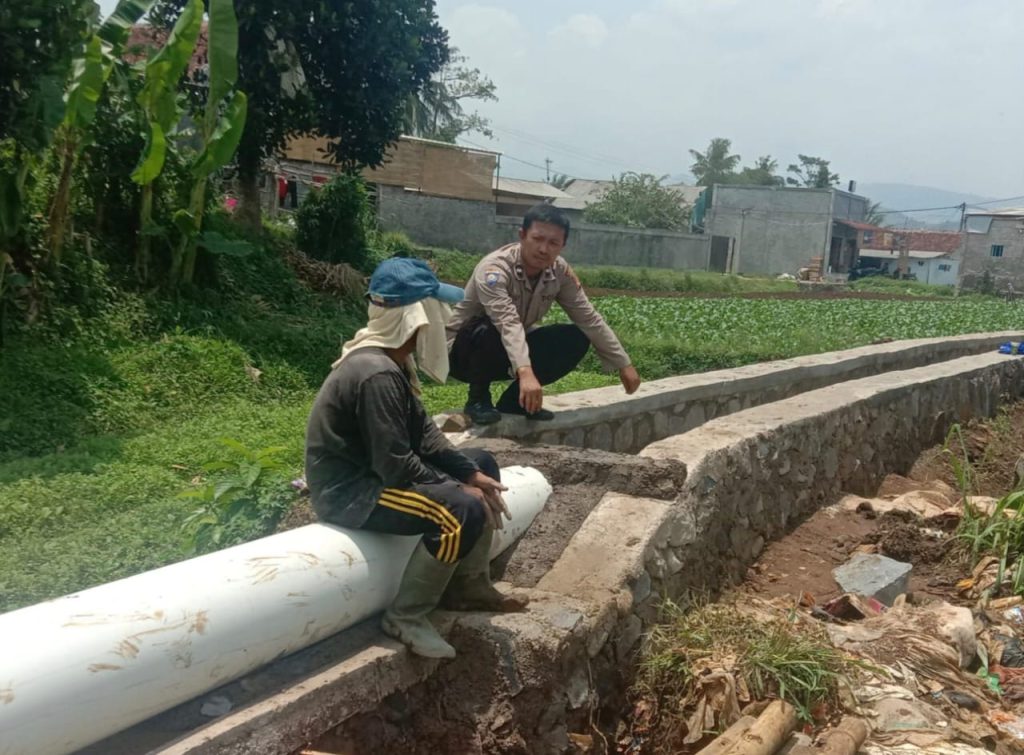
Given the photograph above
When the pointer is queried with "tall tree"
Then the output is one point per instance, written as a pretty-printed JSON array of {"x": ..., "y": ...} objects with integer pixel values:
[
  {"x": 639, "y": 200},
  {"x": 437, "y": 112},
  {"x": 875, "y": 215},
  {"x": 812, "y": 173},
  {"x": 715, "y": 164},
  {"x": 343, "y": 69},
  {"x": 39, "y": 39},
  {"x": 761, "y": 173}
]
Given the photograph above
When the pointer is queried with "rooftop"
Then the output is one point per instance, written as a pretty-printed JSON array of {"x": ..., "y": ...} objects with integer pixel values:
[
  {"x": 527, "y": 188},
  {"x": 1007, "y": 212},
  {"x": 892, "y": 254}
]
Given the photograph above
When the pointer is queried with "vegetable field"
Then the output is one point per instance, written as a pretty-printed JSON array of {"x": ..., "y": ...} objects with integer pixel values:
[
  {"x": 90, "y": 495},
  {"x": 835, "y": 322},
  {"x": 675, "y": 336}
]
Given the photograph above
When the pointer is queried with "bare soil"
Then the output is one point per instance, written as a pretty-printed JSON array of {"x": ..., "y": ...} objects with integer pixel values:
[{"x": 802, "y": 562}]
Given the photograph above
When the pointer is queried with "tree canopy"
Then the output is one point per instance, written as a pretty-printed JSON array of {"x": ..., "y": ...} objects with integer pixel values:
[
  {"x": 437, "y": 111},
  {"x": 812, "y": 173},
  {"x": 343, "y": 69},
  {"x": 715, "y": 164},
  {"x": 639, "y": 200},
  {"x": 761, "y": 173}
]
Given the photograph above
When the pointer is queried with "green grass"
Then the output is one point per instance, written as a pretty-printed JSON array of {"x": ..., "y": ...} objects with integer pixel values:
[
  {"x": 457, "y": 267},
  {"x": 881, "y": 285},
  {"x": 774, "y": 655},
  {"x": 96, "y": 500},
  {"x": 644, "y": 279},
  {"x": 103, "y": 427}
]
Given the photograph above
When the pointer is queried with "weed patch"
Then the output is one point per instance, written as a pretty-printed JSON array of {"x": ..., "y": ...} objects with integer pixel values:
[{"x": 765, "y": 652}]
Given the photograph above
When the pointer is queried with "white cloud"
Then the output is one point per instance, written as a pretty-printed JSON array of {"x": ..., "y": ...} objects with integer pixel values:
[
  {"x": 483, "y": 21},
  {"x": 589, "y": 29},
  {"x": 820, "y": 77}
]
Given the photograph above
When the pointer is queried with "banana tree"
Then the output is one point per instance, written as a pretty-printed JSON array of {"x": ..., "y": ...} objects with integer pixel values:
[
  {"x": 220, "y": 130},
  {"x": 89, "y": 74},
  {"x": 159, "y": 103}
]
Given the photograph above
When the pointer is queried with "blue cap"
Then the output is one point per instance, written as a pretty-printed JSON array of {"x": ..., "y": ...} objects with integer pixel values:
[{"x": 402, "y": 280}]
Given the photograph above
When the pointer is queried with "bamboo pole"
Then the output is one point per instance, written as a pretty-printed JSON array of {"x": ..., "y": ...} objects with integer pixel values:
[
  {"x": 728, "y": 737},
  {"x": 768, "y": 733}
]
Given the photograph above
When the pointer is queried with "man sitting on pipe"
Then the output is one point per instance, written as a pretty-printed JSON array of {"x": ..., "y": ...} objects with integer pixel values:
[{"x": 376, "y": 461}]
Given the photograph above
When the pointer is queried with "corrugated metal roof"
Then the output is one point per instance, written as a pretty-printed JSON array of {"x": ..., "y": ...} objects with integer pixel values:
[
  {"x": 689, "y": 193},
  {"x": 587, "y": 189},
  {"x": 860, "y": 226},
  {"x": 890, "y": 254},
  {"x": 526, "y": 188},
  {"x": 1010, "y": 212}
]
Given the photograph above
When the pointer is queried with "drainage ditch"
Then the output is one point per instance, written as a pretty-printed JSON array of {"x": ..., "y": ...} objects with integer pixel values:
[{"x": 689, "y": 513}]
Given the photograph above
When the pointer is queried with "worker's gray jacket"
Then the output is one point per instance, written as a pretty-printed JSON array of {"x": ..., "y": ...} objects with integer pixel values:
[
  {"x": 500, "y": 289},
  {"x": 368, "y": 431}
]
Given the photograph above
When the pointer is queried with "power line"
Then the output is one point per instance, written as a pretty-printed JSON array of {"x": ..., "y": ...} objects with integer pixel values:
[
  {"x": 995, "y": 201},
  {"x": 515, "y": 159},
  {"x": 572, "y": 152},
  {"x": 951, "y": 207}
]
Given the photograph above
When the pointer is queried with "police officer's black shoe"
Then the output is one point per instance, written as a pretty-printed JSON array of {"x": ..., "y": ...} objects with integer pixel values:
[
  {"x": 543, "y": 415},
  {"x": 482, "y": 412}
]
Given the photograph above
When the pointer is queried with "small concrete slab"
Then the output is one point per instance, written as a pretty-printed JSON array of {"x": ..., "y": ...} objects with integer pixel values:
[{"x": 874, "y": 576}]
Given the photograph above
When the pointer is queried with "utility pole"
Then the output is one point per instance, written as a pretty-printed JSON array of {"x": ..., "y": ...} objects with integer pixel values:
[{"x": 547, "y": 166}]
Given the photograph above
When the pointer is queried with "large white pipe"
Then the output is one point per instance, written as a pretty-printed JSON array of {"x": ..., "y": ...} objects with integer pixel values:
[{"x": 82, "y": 667}]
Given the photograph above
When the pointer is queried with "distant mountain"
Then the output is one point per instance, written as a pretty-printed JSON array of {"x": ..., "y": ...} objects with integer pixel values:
[{"x": 908, "y": 197}]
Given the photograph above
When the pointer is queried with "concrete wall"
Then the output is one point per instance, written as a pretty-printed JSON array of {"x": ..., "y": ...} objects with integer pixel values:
[
  {"x": 977, "y": 256},
  {"x": 437, "y": 221},
  {"x": 847, "y": 206},
  {"x": 776, "y": 230},
  {"x": 751, "y": 477},
  {"x": 474, "y": 227},
  {"x": 605, "y": 419},
  {"x": 592, "y": 244},
  {"x": 932, "y": 271},
  {"x": 714, "y": 497}
]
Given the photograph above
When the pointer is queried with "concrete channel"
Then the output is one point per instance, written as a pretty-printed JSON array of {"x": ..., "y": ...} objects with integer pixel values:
[{"x": 671, "y": 492}]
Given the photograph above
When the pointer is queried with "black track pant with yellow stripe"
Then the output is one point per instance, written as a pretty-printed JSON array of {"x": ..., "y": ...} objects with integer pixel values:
[{"x": 450, "y": 519}]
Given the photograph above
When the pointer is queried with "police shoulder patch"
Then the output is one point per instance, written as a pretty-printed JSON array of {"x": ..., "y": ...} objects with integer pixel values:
[{"x": 492, "y": 276}]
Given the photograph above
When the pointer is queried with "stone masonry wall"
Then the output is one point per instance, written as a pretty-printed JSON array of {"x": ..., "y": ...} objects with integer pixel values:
[
  {"x": 752, "y": 476},
  {"x": 523, "y": 682},
  {"x": 608, "y": 420}
]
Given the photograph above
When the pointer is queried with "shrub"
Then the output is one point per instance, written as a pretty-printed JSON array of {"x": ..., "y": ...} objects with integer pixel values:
[{"x": 331, "y": 223}]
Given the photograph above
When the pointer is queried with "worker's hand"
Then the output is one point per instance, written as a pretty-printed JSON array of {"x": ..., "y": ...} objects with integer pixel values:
[
  {"x": 488, "y": 491},
  {"x": 531, "y": 395},
  {"x": 630, "y": 379}
]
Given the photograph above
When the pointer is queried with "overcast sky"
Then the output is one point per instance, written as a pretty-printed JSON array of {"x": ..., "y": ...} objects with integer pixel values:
[{"x": 912, "y": 91}]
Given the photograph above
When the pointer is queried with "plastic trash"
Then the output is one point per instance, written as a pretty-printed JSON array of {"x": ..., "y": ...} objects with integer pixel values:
[
  {"x": 1007, "y": 723},
  {"x": 1011, "y": 347}
]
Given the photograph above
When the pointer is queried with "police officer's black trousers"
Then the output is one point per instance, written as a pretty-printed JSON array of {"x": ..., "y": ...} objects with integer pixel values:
[{"x": 478, "y": 357}]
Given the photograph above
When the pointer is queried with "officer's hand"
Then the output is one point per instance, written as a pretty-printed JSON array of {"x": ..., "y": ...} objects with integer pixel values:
[
  {"x": 531, "y": 395},
  {"x": 488, "y": 491},
  {"x": 630, "y": 379}
]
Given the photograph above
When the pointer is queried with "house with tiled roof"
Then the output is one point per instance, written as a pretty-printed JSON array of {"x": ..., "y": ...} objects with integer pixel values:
[{"x": 932, "y": 256}]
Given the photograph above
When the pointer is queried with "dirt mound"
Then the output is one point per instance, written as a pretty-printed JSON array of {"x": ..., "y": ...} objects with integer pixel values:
[{"x": 904, "y": 537}]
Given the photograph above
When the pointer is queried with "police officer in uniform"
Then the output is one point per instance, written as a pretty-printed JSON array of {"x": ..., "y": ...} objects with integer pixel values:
[{"x": 493, "y": 333}]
